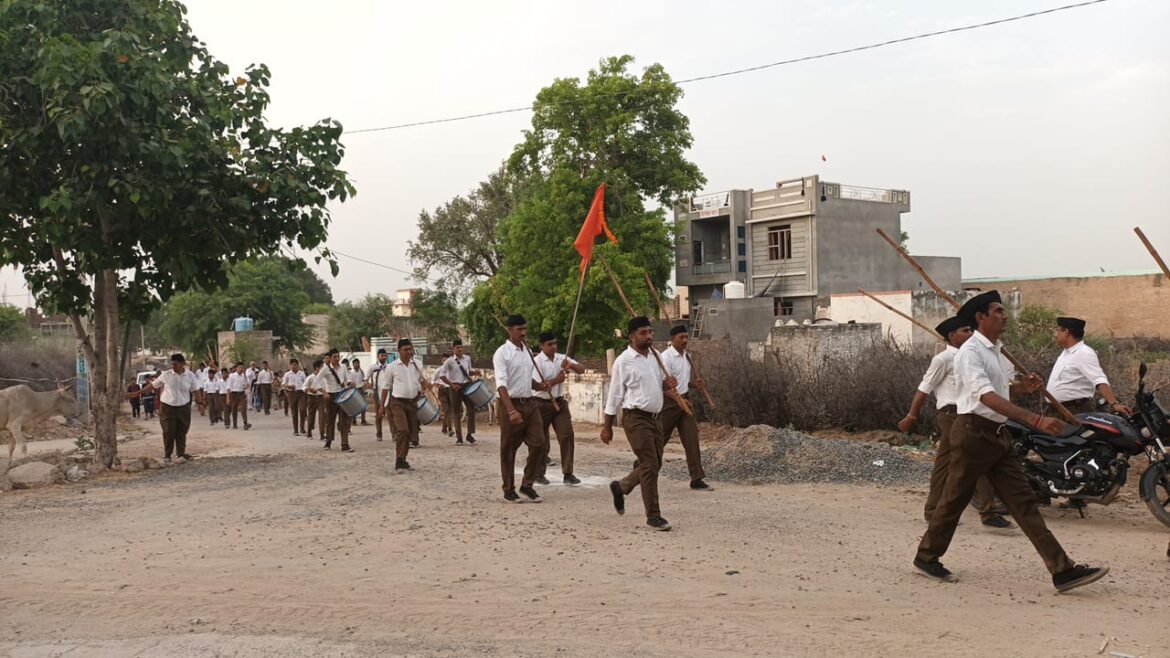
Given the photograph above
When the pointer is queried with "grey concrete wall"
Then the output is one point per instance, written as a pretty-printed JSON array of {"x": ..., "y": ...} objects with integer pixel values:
[
  {"x": 810, "y": 345},
  {"x": 849, "y": 253},
  {"x": 741, "y": 320},
  {"x": 930, "y": 309}
]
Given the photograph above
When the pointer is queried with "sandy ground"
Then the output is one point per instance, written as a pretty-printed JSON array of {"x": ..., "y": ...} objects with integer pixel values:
[{"x": 269, "y": 546}]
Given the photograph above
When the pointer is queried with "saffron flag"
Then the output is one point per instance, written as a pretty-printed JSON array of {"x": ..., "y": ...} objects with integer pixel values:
[{"x": 595, "y": 230}]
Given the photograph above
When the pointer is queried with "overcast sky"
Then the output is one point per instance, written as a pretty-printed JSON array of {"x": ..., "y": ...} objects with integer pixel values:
[{"x": 1030, "y": 148}]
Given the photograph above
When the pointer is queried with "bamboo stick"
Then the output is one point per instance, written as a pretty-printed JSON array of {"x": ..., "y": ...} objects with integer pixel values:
[
  {"x": 654, "y": 291},
  {"x": 1153, "y": 252},
  {"x": 900, "y": 313},
  {"x": 1063, "y": 410}
]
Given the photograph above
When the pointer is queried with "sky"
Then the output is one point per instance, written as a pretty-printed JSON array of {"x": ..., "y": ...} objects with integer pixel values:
[{"x": 1031, "y": 148}]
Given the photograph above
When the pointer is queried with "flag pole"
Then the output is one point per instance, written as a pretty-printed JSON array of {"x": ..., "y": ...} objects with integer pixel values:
[{"x": 576, "y": 307}]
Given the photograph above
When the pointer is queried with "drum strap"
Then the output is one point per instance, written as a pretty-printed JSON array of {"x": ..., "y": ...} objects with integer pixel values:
[
  {"x": 459, "y": 362},
  {"x": 339, "y": 382}
]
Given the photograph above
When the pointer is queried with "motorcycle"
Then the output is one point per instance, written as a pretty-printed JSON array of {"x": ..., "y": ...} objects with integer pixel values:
[{"x": 1090, "y": 463}]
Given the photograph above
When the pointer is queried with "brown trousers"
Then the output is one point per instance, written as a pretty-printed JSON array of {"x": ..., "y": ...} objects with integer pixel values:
[
  {"x": 562, "y": 423},
  {"x": 265, "y": 397},
  {"x": 296, "y": 404},
  {"x": 175, "y": 422},
  {"x": 942, "y": 464},
  {"x": 673, "y": 417},
  {"x": 239, "y": 406},
  {"x": 313, "y": 414},
  {"x": 214, "y": 412},
  {"x": 457, "y": 404},
  {"x": 1082, "y": 406},
  {"x": 978, "y": 448},
  {"x": 335, "y": 419},
  {"x": 384, "y": 412},
  {"x": 404, "y": 426},
  {"x": 644, "y": 435},
  {"x": 445, "y": 408},
  {"x": 529, "y": 432}
]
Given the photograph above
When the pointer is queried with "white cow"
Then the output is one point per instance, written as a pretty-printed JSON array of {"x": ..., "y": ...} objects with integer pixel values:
[{"x": 21, "y": 407}]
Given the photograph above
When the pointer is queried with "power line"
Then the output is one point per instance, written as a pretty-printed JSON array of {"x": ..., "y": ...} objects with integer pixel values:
[{"x": 761, "y": 67}]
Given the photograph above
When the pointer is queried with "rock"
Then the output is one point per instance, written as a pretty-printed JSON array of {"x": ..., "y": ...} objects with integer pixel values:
[
  {"x": 4, "y": 463},
  {"x": 68, "y": 451},
  {"x": 34, "y": 474},
  {"x": 151, "y": 463},
  {"x": 133, "y": 466},
  {"x": 76, "y": 473},
  {"x": 5, "y": 483}
]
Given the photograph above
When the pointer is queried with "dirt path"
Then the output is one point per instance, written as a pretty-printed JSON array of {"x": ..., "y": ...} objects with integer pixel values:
[{"x": 268, "y": 545}]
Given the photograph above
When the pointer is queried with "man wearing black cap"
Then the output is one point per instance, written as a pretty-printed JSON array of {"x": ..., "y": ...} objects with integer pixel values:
[
  {"x": 403, "y": 384},
  {"x": 548, "y": 385},
  {"x": 1077, "y": 376},
  {"x": 335, "y": 379},
  {"x": 678, "y": 365},
  {"x": 519, "y": 413},
  {"x": 980, "y": 446},
  {"x": 456, "y": 372},
  {"x": 376, "y": 377},
  {"x": 293, "y": 384},
  {"x": 175, "y": 387},
  {"x": 636, "y": 388},
  {"x": 940, "y": 380}
]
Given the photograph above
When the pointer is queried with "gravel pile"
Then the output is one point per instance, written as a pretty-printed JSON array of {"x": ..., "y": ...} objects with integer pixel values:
[{"x": 767, "y": 454}]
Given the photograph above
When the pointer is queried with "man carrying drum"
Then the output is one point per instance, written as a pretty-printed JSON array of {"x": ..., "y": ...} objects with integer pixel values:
[
  {"x": 548, "y": 387},
  {"x": 313, "y": 389},
  {"x": 292, "y": 383},
  {"x": 401, "y": 386},
  {"x": 457, "y": 373},
  {"x": 335, "y": 379}
]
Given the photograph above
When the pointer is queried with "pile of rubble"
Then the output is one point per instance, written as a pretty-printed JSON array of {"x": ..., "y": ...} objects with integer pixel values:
[{"x": 69, "y": 465}]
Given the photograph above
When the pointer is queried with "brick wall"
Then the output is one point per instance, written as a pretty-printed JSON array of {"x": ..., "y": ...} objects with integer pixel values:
[{"x": 1129, "y": 306}]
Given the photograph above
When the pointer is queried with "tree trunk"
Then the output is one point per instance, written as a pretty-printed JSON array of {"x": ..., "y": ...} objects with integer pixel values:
[{"x": 104, "y": 386}]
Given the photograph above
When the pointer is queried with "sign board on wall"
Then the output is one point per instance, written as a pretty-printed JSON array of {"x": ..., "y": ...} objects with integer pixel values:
[{"x": 710, "y": 205}]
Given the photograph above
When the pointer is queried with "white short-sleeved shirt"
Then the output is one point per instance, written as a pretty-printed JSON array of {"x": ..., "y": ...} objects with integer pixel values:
[
  {"x": 211, "y": 384},
  {"x": 940, "y": 378},
  {"x": 1076, "y": 374},
  {"x": 679, "y": 367},
  {"x": 176, "y": 388},
  {"x": 312, "y": 383},
  {"x": 550, "y": 368},
  {"x": 636, "y": 383},
  {"x": 333, "y": 379},
  {"x": 404, "y": 380},
  {"x": 294, "y": 379},
  {"x": 454, "y": 367},
  {"x": 514, "y": 372},
  {"x": 357, "y": 377},
  {"x": 237, "y": 382},
  {"x": 980, "y": 368},
  {"x": 263, "y": 376},
  {"x": 221, "y": 384}
]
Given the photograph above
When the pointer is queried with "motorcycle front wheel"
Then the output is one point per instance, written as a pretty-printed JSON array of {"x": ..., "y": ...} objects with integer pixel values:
[{"x": 1155, "y": 490}]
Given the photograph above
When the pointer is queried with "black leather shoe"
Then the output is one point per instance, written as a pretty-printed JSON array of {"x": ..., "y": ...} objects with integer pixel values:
[
  {"x": 402, "y": 465},
  {"x": 530, "y": 494},
  {"x": 699, "y": 485},
  {"x": 1078, "y": 576},
  {"x": 470, "y": 439},
  {"x": 658, "y": 523},
  {"x": 571, "y": 479},
  {"x": 512, "y": 497},
  {"x": 934, "y": 569},
  {"x": 540, "y": 479},
  {"x": 619, "y": 498}
]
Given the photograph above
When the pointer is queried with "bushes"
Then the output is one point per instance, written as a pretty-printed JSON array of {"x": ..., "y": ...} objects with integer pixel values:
[{"x": 43, "y": 362}]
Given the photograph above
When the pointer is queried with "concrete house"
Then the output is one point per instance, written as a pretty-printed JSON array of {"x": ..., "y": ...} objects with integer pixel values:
[{"x": 793, "y": 247}]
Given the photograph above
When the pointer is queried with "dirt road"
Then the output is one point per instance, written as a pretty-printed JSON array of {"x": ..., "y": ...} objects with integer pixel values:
[{"x": 268, "y": 545}]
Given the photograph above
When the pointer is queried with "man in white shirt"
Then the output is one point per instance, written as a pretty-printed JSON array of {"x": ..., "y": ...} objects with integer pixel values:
[
  {"x": 264, "y": 383},
  {"x": 636, "y": 389},
  {"x": 335, "y": 379},
  {"x": 981, "y": 446},
  {"x": 314, "y": 407},
  {"x": 358, "y": 377},
  {"x": 548, "y": 385},
  {"x": 456, "y": 372},
  {"x": 443, "y": 391},
  {"x": 176, "y": 388},
  {"x": 1077, "y": 376},
  {"x": 221, "y": 395},
  {"x": 519, "y": 413},
  {"x": 678, "y": 365},
  {"x": 210, "y": 386},
  {"x": 401, "y": 386},
  {"x": 292, "y": 383},
  {"x": 374, "y": 379},
  {"x": 239, "y": 390},
  {"x": 200, "y": 394},
  {"x": 940, "y": 380}
]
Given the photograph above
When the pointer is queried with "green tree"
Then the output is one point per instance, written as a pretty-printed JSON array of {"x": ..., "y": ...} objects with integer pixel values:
[
  {"x": 372, "y": 315},
  {"x": 13, "y": 324},
  {"x": 134, "y": 165},
  {"x": 1032, "y": 329},
  {"x": 260, "y": 289},
  {"x": 435, "y": 314},
  {"x": 619, "y": 128}
]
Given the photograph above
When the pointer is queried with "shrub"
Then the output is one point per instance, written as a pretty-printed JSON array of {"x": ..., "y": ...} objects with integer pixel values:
[{"x": 40, "y": 363}]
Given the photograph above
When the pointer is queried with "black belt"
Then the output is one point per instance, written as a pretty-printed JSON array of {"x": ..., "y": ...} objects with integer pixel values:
[
  {"x": 949, "y": 408},
  {"x": 640, "y": 412},
  {"x": 406, "y": 400},
  {"x": 559, "y": 398},
  {"x": 982, "y": 423},
  {"x": 527, "y": 399}
]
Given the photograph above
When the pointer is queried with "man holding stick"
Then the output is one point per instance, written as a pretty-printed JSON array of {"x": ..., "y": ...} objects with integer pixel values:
[
  {"x": 678, "y": 365},
  {"x": 519, "y": 413},
  {"x": 940, "y": 380},
  {"x": 376, "y": 375},
  {"x": 981, "y": 446},
  {"x": 552, "y": 369},
  {"x": 637, "y": 386},
  {"x": 456, "y": 372}
]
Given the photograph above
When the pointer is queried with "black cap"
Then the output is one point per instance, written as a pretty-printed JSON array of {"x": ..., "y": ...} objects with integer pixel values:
[
  {"x": 178, "y": 358},
  {"x": 547, "y": 336},
  {"x": 403, "y": 342},
  {"x": 945, "y": 327},
  {"x": 636, "y": 324},
  {"x": 381, "y": 351},
  {"x": 679, "y": 329},
  {"x": 978, "y": 303},
  {"x": 1074, "y": 324},
  {"x": 516, "y": 320},
  {"x": 332, "y": 352},
  {"x": 457, "y": 342}
]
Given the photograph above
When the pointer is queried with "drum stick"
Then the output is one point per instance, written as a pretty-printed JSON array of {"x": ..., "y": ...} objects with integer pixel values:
[{"x": 535, "y": 367}]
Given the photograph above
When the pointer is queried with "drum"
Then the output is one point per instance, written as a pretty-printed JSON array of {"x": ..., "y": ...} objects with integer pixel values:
[
  {"x": 351, "y": 401},
  {"x": 479, "y": 395},
  {"x": 427, "y": 411}
]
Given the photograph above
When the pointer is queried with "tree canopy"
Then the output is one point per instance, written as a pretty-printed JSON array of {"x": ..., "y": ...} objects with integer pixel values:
[
  {"x": 372, "y": 315},
  {"x": 13, "y": 323},
  {"x": 135, "y": 165}
]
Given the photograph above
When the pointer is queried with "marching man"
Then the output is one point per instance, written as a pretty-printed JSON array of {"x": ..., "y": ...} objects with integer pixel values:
[
  {"x": 1077, "y": 377},
  {"x": 678, "y": 364},
  {"x": 401, "y": 386},
  {"x": 293, "y": 382},
  {"x": 548, "y": 386},
  {"x": 335, "y": 379},
  {"x": 519, "y": 414},
  {"x": 457, "y": 373}
]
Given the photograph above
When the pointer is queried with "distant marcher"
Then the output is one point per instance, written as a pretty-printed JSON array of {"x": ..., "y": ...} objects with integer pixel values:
[
  {"x": 637, "y": 389},
  {"x": 175, "y": 388},
  {"x": 358, "y": 377},
  {"x": 678, "y": 365},
  {"x": 403, "y": 385},
  {"x": 445, "y": 413},
  {"x": 555, "y": 367},
  {"x": 221, "y": 392},
  {"x": 457, "y": 373},
  {"x": 238, "y": 392},
  {"x": 210, "y": 386},
  {"x": 134, "y": 396},
  {"x": 335, "y": 379},
  {"x": 147, "y": 396},
  {"x": 264, "y": 382},
  {"x": 313, "y": 390},
  {"x": 1077, "y": 377},
  {"x": 292, "y": 384},
  {"x": 520, "y": 420},
  {"x": 374, "y": 378}
]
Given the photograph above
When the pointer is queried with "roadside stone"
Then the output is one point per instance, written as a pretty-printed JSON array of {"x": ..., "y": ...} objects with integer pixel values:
[
  {"x": 151, "y": 463},
  {"x": 5, "y": 483},
  {"x": 76, "y": 473},
  {"x": 34, "y": 474},
  {"x": 68, "y": 451},
  {"x": 51, "y": 457},
  {"x": 133, "y": 466},
  {"x": 4, "y": 464}
]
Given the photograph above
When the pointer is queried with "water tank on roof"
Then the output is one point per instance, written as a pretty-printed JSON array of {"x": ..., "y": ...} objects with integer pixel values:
[
  {"x": 243, "y": 324},
  {"x": 733, "y": 290}
]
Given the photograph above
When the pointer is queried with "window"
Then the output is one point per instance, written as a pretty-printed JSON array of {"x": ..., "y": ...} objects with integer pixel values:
[
  {"x": 780, "y": 242},
  {"x": 743, "y": 266},
  {"x": 782, "y": 306},
  {"x": 739, "y": 232},
  {"x": 698, "y": 252},
  {"x": 742, "y": 249}
]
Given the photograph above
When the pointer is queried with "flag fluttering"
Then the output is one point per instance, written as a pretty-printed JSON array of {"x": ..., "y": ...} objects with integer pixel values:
[{"x": 594, "y": 231}]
